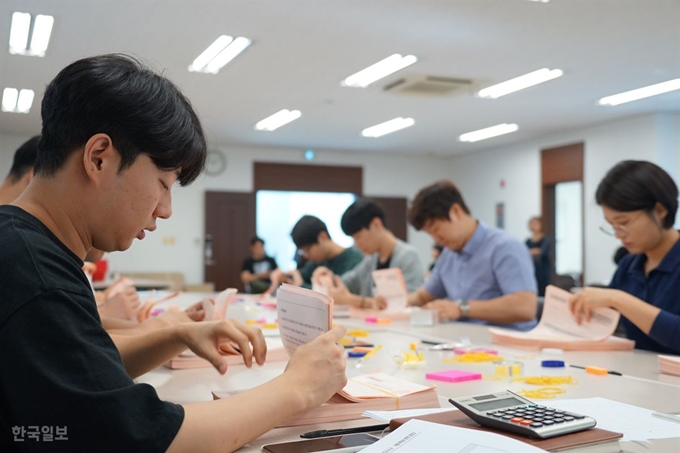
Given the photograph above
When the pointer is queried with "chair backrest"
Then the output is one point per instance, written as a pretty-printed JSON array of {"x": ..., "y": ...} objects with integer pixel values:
[{"x": 566, "y": 282}]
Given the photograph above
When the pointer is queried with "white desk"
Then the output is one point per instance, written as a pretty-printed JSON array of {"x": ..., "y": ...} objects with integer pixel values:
[{"x": 645, "y": 388}]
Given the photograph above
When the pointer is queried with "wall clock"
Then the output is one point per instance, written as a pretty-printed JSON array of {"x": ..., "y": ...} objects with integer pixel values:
[{"x": 216, "y": 163}]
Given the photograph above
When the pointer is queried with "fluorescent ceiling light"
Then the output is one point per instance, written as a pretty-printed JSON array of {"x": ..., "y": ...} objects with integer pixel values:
[
  {"x": 640, "y": 93},
  {"x": 18, "y": 36},
  {"x": 519, "y": 83},
  {"x": 17, "y": 101},
  {"x": 387, "y": 127},
  {"x": 489, "y": 132},
  {"x": 277, "y": 120},
  {"x": 381, "y": 69},
  {"x": 218, "y": 54},
  {"x": 539, "y": 1}
]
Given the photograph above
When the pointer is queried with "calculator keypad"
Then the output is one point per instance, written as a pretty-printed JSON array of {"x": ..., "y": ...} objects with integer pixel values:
[{"x": 535, "y": 416}]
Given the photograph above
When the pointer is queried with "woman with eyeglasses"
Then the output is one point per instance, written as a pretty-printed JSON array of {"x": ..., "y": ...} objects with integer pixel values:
[{"x": 639, "y": 201}]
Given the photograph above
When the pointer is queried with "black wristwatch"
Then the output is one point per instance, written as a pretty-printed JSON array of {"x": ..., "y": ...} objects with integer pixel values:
[{"x": 464, "y": 306}]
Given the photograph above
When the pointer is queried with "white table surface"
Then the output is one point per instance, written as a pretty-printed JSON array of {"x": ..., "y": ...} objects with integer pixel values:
[{"x": 642, "y": 385}]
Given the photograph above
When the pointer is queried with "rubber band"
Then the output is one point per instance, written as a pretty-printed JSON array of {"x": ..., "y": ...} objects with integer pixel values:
[
  {"x": 474, "y": 357},
  {"x": 546, "y": 380},
  {"x": 543, "y": 393}
]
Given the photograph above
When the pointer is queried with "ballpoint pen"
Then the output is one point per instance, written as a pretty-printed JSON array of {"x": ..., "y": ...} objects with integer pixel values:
[
  {"x": 368, "y": 355},
  {"x": 342, "y": 431},
  {"x": 596, "y": 370}
]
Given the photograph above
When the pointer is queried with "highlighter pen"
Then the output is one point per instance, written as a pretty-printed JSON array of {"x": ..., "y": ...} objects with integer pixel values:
[
  {"x": 596, "y": 370},
  {"x": 342, "y": 431}
]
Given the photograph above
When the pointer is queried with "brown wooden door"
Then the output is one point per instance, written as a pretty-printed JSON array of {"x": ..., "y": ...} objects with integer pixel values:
[
  {"x": 395, "y": 214},
  {"x": 560, "y": 164},
  {"x": 230, "y": 223}
]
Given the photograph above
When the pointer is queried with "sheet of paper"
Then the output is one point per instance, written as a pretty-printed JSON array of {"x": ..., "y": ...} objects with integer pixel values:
[
  {"x": 390, "y": 284},
  {"x": 417, "y": 436},
  {"x": 386, "y": 416},
  {"x": 557, "y": 322},
  {"x": 218, "y": 310},
  {"x": 303, "y": 315},
  {"x": 636, "y": 423},
  {"x": 380, "y": 385}
]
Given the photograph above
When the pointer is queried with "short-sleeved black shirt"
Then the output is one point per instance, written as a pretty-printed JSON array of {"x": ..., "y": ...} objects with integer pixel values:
[
  {"x": 266, "y": 264},
  {"x": 59, "y": 366}
]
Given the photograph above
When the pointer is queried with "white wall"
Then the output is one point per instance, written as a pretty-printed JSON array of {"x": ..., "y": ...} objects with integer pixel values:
[
  {"x": 653, "y": 137},
  {"x": 384, "y": 175}
]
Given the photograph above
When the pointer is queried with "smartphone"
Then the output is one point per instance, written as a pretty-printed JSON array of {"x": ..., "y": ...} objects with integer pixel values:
[{"x": 348, "y": 443}]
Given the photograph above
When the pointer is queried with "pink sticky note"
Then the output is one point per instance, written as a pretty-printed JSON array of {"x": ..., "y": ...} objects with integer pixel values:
[
  {"x": 453, "y": 376},
  {"x": 372, "y": 319}
]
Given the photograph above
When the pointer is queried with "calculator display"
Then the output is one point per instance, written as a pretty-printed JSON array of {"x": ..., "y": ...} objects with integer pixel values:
[{"x": 496, "y": 404}]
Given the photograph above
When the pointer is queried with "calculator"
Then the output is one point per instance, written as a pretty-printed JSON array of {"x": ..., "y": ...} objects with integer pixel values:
[{"x": 508, "y": 411}]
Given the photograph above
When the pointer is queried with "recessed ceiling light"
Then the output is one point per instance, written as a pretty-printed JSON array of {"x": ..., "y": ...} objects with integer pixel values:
[
  {"x": 381, "y": 69},
  {"x": 519, "y": 83},
  {"x": 387, "y": 127},
  {"x": 277, "y": 120},
  {"x": 16, "y": 101},
  {"x": 19, "y": 31},
  {"x": 641, "y": 93},
  {"x": 218, "y": 54},
  {"x": 483, "y": 134}
]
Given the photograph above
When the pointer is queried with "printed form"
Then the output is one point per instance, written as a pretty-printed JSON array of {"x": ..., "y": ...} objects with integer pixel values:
[
  {"x": 303, "y": 315},
  {"x": 417, "y": 436}
]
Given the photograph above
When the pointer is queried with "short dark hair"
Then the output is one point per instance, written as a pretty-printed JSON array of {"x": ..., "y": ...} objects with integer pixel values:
[
  {"x": 306, "y": 231},
  {"x": 620, "y": 254},
  {"x": 634, "y": 185},
  {"x": 142, "y": 112},
  {"x": 359, "y": 215},
  {"x": 24, "y": 159},
  {"x": 434, "y": 202},
  {"x": 256, "y": 239}
]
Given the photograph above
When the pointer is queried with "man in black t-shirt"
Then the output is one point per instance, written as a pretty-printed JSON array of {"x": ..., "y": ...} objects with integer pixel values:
[
  {"x": 257, "y": 268},
  {"x": 115, "y": 138}
]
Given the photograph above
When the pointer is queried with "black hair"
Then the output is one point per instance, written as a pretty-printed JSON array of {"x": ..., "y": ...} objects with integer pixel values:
[
  {"x": 306, "y": 231},
  {"x": 434, "y": 202},
  {"x": 256, "y": 239},
  {"x": 620, "y": 254},
  {"x": 24, "y": 159},
  {"x": 438, "y": 247},
  {"x": 142, "y": 112},
  {"x": 359, "y": 215},
  {"x": 634, "y": 185}
]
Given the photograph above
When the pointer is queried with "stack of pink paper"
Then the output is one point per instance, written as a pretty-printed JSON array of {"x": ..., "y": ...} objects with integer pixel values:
[
  {"x": 558, "y": 328},
  {"x": 669, "y": 364},
  {"x": 368, "y": 392},
  {"x": 187, "y": 359}
]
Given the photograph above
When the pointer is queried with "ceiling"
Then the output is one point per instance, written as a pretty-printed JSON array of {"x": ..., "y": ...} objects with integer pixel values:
[{"x": 302, "y": 49}]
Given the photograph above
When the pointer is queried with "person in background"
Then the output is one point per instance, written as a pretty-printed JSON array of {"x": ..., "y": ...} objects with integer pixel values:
[
  {"x": 539, "y": 248},
  {"x": 257, "y": 269},
  {"x": 436, "y": 251},
  {"x": 484, "y": 275},
  {"x": 116, "y": 136},
  {"x": 311, "y": 236},
  {"x": 639, "y": 201},
  {"x": 364, "y": 220},
  {"x": 21, "y": 172}
]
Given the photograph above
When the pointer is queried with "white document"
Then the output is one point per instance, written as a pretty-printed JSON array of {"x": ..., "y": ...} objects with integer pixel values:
[
  {"x": 390, "y": 284},
  {"x": 303, "y": 315},
  {"x": 218, "y": 310},
  {"x": 557, "y": 322},
  {"x": 417, "y": 436},
  {"x": 386, "y": 416},
  {"x": 636, "y": 423}
]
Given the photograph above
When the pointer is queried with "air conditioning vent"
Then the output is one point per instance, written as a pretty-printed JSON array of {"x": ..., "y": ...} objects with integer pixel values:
[{"x": 430, "y": 86}]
